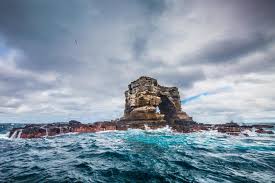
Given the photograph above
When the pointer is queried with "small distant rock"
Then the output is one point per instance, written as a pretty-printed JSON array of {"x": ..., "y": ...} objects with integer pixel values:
[{"x": 264, "y": 131}]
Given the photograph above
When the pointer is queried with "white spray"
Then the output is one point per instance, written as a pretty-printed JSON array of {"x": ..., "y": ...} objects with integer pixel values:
[
  {"x": 46, "y": 129},
  {"x": 14, "y": 134},
  {"x": 47, "y": 133},
  {"x": 19, "y": 134},
  {"x": 146, "y": 127}
]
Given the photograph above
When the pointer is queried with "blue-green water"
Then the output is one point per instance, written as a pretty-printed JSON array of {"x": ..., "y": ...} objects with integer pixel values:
[{"x": 138, "y": 156}]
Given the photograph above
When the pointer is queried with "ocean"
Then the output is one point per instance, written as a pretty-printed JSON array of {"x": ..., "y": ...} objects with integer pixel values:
[{"x": 138, "y": 156}]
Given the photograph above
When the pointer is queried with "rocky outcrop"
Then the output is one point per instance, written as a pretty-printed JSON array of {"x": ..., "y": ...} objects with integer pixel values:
[
  {"x": 146, "y": 100},
  {"x": 53, "y": 129},
  {"x": 229, "y": 128},
  {"x": 264, "y": 131},
  {"x": 147, "y": 105}
]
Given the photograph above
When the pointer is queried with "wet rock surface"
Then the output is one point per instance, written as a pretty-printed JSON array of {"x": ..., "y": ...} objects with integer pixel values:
[
  {"x": 48, "y": 130},
  {"x": 148, "y": 105},
  {"x": 264, "y": 131}
]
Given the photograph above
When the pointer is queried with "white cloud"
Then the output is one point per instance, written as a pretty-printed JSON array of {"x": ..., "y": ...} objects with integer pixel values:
[{"x": 245, "y": 102}]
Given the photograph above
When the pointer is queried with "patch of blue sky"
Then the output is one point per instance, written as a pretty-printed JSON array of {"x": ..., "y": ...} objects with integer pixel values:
[{"x": 207, "y": 93}]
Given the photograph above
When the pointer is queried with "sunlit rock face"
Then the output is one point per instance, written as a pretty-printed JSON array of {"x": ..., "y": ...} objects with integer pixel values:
[{"x": 144, "y": 96}]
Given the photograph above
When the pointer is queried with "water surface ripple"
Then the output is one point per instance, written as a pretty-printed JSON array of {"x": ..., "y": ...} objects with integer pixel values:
[{"x": 139, "y": 156}]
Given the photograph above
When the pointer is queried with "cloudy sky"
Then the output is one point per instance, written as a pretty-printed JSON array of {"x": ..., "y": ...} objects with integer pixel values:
[{"x": 71, "y": 59}]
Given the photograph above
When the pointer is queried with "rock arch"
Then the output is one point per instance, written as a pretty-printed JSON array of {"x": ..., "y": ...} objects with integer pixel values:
[{"x": 144, "y": 96}]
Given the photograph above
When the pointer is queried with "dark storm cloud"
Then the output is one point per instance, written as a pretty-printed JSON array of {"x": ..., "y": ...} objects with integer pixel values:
[
  {"x": 262, "y": 65},
  {"x": 60, "y": 36},
  {"x": 44, "y": 30},
  {"x": 182, "y": 79},
  {"x": 140, "y": 41},
  {"x": 38, "y": 28},
  {"x": 17, "y": 82},
  {"x": 153, "y": 8},
  {"x": 256, "y": 12},
  {"x": 18, "y": 87},
  {"x": 252, "y": 28},
  {"x": 231, "y": 49}
]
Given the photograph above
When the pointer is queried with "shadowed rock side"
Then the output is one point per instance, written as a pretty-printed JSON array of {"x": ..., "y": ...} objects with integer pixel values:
[{"x": 147, "y": 105}]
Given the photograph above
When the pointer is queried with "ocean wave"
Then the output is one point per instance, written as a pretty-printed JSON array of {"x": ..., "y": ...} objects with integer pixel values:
[
  {"x": 148, "y": 155},
  {"x": 5, "y": 136}
]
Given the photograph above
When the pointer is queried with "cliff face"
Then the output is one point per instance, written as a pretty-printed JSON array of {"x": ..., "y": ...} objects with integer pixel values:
[{"x": 149, "y": 101}]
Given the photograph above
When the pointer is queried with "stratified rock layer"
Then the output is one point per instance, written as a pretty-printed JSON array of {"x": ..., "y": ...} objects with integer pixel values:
[{"x": 146, "y": 100}]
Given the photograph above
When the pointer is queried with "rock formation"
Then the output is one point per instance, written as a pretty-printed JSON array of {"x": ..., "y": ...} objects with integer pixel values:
[
  {"x": 144, "y": 96},
  {"x": 147, "y": 105},
  {"x": 53, "y": 129}
]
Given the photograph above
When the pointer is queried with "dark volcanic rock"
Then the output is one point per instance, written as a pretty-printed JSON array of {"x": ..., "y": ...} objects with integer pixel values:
[
  {"x": 74, "y": 123},
  {"x": 37, "y": 131},
  {"x": 262, "y": 126},
  {"x": 264, "y": 131},
  {"x": 229, "y": 128},
  {"x": 53, "y": 129}
]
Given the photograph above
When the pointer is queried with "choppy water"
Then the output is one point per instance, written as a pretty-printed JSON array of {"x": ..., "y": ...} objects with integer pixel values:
[{"x": 138, "y": 156}]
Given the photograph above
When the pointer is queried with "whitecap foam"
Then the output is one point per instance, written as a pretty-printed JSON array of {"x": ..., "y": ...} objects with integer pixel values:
[
  {"x": 106, "y": 131},
  {"x": 148, "y": 129},
  {"x": 250, "y": 133},
  {"x": 63, "y": 134},
  {"x": 159, "y": 130},
  {"x": 5, "y": 136}
]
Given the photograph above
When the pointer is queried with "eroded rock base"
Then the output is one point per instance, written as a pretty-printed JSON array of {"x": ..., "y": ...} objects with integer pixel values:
[{"x": 48, "y": 130}]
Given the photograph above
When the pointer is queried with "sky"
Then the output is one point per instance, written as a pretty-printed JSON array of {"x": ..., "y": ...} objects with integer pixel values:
[{"x": 70, "y": 59}]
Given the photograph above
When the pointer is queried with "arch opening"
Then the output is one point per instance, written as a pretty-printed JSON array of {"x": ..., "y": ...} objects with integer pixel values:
[{"x": 167, "y": 108}]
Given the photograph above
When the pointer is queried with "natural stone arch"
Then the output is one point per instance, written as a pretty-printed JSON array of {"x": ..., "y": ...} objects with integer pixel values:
[{"x": 145, "y": 95}]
